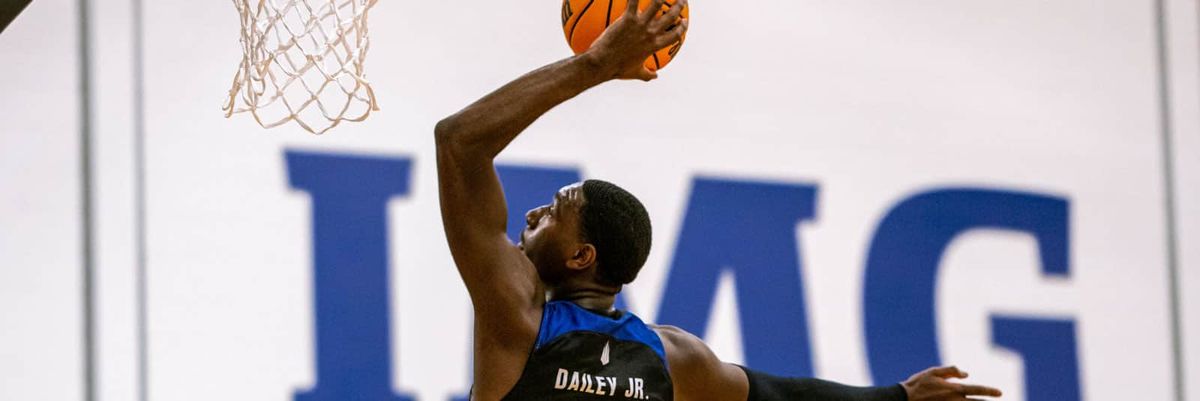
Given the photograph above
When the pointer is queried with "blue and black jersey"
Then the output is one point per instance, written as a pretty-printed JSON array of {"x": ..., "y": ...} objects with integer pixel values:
[{"x": 581, "y": 355}]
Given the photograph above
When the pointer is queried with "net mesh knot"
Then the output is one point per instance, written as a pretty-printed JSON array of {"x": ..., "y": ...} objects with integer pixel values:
[{"x": 302, "y": 61}]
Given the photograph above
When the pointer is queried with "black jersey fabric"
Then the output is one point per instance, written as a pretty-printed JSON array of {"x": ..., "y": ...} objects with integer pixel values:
[{"x": 581, "y": 355}]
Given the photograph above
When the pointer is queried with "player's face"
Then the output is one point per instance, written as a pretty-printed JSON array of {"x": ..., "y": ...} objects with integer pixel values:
[{"x": 553, "y": 233}]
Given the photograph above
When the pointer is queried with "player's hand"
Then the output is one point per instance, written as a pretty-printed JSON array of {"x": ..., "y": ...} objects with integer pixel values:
[
  {"x": 933, "y": 385},
  {"x": 623, "y": 48}
]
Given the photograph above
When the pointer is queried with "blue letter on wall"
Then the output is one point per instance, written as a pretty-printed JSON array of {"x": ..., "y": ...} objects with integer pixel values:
[
  {"x": 902, "y": 266},
  {"x": 350, "y": 271},
  {"x": 526, "y": 188},
  {"x": 748, "y": 228},
  {"x": 1048, "y": 349}
]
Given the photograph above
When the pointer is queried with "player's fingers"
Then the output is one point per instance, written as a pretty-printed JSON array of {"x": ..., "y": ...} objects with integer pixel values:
[
  {"x": 631, "y": 7},
  {"x": 672, "y": 15},
  {"x": 948, "y": 372},
  {"x": 971, "y": 389},
  {"x": 654, "y": 9},
  {"x": 672, "y": 36}
]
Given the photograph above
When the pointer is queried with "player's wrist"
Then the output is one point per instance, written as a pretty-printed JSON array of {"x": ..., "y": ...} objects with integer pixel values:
[{"x": 598, "y": 65}]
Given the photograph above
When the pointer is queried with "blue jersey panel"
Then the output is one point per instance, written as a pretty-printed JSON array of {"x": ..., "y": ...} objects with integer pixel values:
[{"x": 562, "y": 317}]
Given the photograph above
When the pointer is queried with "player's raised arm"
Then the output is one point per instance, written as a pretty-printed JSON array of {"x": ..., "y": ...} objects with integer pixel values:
[
  {"x": 472, "y": 202},
  {"x": 697, "y": 375}
]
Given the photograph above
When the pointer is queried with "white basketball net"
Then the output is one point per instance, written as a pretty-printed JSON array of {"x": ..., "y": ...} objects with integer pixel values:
[{"x": 303, "y": 61}]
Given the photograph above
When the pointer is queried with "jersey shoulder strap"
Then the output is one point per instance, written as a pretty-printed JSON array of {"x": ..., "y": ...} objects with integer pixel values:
[{"x": 562, "y": 317}]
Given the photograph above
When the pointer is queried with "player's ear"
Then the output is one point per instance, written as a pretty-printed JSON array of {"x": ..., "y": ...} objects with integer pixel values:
[{"x": 583, "y": 258}]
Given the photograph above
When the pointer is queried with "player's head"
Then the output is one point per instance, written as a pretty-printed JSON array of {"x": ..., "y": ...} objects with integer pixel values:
[{"x": 593, "y": 230}]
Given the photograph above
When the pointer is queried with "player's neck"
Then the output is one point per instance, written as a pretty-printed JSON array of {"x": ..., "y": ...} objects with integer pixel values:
[{"x": 597, "y": 299}]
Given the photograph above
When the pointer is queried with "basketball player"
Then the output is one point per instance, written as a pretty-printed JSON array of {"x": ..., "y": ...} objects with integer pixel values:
[{"x": 545, "y": 327}]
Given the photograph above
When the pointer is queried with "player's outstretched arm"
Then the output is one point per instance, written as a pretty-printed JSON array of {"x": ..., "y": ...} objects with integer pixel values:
[
  {"x": 697, "y": 375},
  {"x": 472, "y": 201}
]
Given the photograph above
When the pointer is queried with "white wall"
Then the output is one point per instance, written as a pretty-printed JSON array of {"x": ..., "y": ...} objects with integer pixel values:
[
  {"x": 1185, "y": 77},
  {"x": 41, "y": 319},
  {"x": 871, "y": 101},
  {"x": 115, "y": 198}
]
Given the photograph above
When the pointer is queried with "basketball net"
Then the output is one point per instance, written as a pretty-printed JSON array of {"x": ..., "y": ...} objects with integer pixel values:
[{"x": 302, "y": 61}]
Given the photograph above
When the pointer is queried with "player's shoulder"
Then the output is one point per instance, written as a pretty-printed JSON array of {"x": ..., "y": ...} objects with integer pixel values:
[
  {"x": 675, "y": 335},
  {"x": 682, "y": 348},
  {"x": 670, "y": 332},
  {"x": 696, "y": 372}
]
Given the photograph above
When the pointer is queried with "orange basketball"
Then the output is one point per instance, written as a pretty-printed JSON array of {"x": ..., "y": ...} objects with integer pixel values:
[{"x": 584, "y": 20}]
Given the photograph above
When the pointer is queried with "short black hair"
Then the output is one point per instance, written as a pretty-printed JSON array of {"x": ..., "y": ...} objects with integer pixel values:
[{"x": 616, "y": 223}]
